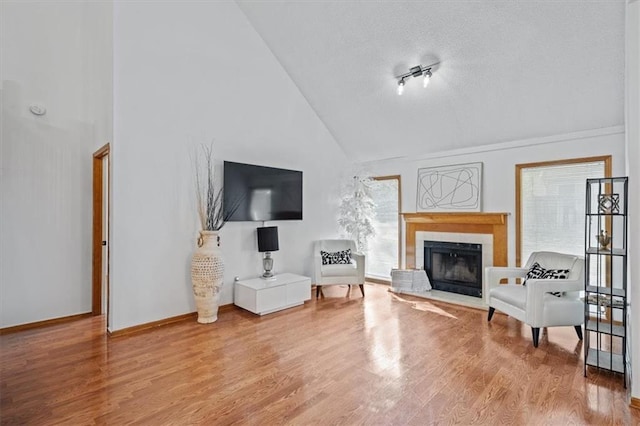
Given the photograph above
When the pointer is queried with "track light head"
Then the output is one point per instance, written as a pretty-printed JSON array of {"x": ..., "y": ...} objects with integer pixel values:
[
  {"x": 401, "y": 86},
  {"x": 427, "y": 77}
]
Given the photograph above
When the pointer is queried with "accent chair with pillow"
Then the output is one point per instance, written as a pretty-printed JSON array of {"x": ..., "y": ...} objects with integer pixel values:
[
  {"x": 335, "y": 262},
  {"x": 549, "y": 295}
]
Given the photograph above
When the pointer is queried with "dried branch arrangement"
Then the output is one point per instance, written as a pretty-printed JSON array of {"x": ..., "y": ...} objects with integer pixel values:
[{"x": 210, "y": 200}]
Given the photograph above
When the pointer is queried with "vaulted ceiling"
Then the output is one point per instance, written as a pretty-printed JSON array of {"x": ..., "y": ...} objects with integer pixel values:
[{"x": 508, "y": 70}]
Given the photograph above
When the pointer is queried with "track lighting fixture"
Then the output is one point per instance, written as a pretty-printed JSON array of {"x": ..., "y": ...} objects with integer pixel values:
[{"x": 425, "y": 71}]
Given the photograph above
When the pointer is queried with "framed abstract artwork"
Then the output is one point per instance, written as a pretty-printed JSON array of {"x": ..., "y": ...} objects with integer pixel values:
[{"x": 450, "y": 188}]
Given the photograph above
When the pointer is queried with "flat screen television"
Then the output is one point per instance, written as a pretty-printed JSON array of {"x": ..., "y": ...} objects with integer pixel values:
[{"x": 259, "y": 193}]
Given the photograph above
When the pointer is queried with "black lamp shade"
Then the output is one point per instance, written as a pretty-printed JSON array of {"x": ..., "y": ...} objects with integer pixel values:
[{"x": 268, "y": 239}]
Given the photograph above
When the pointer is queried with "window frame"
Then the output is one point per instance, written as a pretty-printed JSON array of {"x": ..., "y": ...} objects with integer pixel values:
[
  {"x": 399, "y": 179},
  {"x": 519, "y": 167}
]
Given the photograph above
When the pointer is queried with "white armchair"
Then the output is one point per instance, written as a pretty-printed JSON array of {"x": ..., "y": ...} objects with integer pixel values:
[
  {"x": 533, "y": 303},
  {"x": 351, "y": 273}
]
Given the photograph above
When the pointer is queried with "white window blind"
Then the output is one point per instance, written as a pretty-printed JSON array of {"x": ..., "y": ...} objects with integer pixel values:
[
  {"x": 382, "y": 255},
  {"x": 552, "y": 206}
]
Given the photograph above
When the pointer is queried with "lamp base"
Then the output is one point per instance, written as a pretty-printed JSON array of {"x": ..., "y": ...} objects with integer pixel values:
[{"x": 267, "y": 264}]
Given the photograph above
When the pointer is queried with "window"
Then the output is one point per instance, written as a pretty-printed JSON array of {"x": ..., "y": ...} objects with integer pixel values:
[
  {"x": 383, "y": 253},
  {"x": 550, "y": 204}
]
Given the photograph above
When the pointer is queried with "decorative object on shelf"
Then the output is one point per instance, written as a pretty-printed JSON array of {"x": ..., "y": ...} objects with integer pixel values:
[
  {"x": 605, "y": 289},
  {"x": 609, "y": 203},
  {"x": 450, "y": 188},
  {"x": 268, "y": 242},
  {"x": 424, "y": 71},
  {"x": 604, "y": 300},
  {"x": 604, "y": 239},
  {"x": 207, "y": 267},
  {"x": 357, "y": 211}
]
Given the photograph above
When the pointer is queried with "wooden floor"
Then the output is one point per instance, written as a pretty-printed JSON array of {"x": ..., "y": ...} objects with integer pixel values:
[{"x": 382, "y": 359}]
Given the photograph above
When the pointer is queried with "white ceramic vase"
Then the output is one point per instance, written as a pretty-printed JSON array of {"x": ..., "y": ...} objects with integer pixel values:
[{"x": 207, "y": 272}]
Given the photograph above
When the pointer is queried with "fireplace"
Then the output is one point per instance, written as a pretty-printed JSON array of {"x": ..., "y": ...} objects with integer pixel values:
[{"x": 454, "y": 267}]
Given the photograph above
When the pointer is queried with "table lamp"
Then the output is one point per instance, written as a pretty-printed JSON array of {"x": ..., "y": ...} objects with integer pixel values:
[{"x": 267, "y": 242}]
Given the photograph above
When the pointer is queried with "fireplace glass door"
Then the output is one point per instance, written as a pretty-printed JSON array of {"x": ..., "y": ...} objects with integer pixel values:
[{"x": 454, "y": 267}]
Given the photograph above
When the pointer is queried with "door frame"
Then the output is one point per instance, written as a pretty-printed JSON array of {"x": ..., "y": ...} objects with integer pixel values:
[{"x": 98, "y": 218}]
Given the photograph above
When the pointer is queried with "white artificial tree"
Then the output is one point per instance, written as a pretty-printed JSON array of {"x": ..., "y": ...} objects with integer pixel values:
[{"x": 357, "y": 210}]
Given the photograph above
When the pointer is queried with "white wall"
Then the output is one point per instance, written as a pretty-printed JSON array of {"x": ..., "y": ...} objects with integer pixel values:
[
  {"x": 57, "y": 54},
  {"x": 186, "y": 74},
  {"x": 632, "y": 111},
  {"x": 499, "y": 160}
]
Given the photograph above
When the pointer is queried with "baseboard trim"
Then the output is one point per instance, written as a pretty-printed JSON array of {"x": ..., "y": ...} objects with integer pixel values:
[
  {"x": 152, "y": 324},
  {"x": 163, "y": 322},
  {"x": 43, "y": 323},
  {"x": 635, "y": 403}
]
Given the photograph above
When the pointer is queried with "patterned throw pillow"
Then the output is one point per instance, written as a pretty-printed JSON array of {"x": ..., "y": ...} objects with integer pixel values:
[
  {"x": 535, "y": 272},
  {"x": 336, "y": 258},
  {"x": 556, "y": 274},
  {"x": 538, "y": 272}
]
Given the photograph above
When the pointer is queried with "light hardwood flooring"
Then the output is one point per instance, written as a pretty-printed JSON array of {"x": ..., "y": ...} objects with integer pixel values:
[{"x": 381, "y": 359}]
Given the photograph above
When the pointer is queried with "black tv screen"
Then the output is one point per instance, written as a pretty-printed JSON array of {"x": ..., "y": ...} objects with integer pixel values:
[{"x": 259, "y": 193}]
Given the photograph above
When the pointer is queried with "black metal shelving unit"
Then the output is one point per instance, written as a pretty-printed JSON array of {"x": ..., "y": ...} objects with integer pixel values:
[{"x": 605, "y": 307}]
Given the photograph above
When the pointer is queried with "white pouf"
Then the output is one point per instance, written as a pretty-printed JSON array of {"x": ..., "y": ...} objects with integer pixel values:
[{"x": 409, "y": 280}]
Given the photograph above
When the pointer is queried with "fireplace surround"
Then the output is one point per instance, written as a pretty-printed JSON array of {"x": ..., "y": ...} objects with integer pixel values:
[
  {"x": 464, "y": 223},
  {"x": 488, "y": 229}
]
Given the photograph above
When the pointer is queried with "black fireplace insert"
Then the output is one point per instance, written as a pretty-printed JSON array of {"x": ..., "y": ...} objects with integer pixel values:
[{"x": 454, "y": 267}]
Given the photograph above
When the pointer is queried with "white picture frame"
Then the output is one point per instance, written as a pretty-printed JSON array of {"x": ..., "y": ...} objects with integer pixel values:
[{"x": 452, "y": 188}]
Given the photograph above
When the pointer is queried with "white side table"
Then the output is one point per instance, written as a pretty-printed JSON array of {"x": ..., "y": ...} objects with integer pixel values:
[{"x": 266, "y": 296}]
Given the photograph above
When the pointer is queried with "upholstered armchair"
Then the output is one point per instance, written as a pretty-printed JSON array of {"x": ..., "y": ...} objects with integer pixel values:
[
  {"x": 549, "y": 297},
  {"x": 338, "y": 268}
]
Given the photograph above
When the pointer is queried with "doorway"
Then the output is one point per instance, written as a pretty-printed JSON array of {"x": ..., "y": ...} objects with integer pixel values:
[{"x": 100, "y": 266}]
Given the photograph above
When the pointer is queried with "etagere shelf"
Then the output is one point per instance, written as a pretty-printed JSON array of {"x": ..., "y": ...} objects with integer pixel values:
[{"x": 605, "y": 306}]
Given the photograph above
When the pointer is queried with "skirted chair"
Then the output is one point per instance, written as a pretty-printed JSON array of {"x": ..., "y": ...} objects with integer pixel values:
[
  {"x": 335, "y": 262},
  {"x": 549, "y": 295}
]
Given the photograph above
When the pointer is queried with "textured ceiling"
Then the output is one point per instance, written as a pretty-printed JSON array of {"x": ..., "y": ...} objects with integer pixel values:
[{"x": 508, "y": 70}]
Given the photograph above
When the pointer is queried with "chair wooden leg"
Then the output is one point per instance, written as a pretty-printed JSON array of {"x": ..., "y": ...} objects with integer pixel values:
[
  {"x": 362, "y": 289},
  {"x": 578, "y": 331},
  {"x": 535, "y": 331},
  {"x": 317, "y": 291},
  {"x": 491, "y": 311}
]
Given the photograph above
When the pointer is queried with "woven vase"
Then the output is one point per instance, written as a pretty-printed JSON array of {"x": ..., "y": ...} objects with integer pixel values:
[{"x": 207, "y": 272}]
